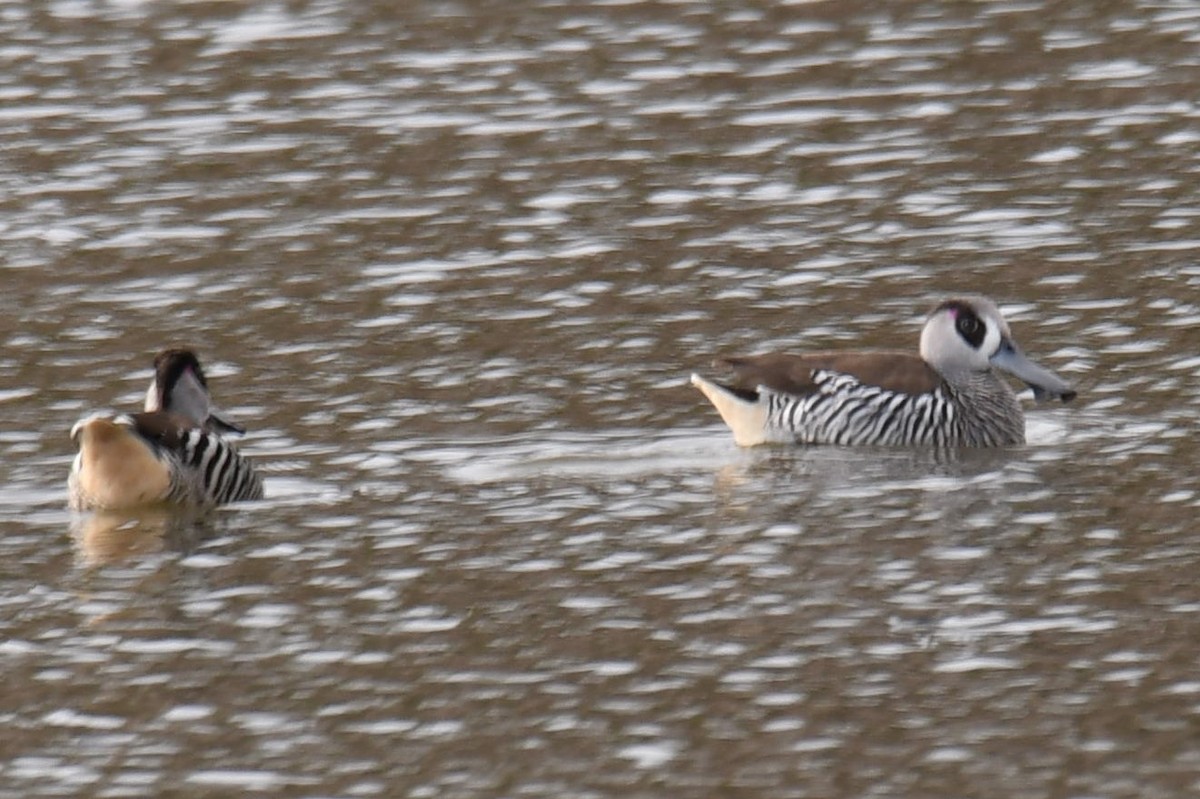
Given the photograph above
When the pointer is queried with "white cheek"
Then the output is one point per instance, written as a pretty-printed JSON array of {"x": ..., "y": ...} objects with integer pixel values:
[{"x": 991, "y": 341}]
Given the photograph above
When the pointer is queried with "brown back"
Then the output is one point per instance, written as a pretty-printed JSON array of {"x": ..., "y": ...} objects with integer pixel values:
[
  {"x": 792, "y": 374},
  {"x": 161, "y": 427}
]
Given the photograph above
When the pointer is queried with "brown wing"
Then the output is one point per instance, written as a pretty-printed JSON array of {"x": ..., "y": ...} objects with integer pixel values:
[{"x": 793, "y": 374}]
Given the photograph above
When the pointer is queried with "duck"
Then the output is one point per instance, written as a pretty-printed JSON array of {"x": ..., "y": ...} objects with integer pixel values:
[
  {"x": 950, "y": 393},
  {"x": 171, "y": 453}
]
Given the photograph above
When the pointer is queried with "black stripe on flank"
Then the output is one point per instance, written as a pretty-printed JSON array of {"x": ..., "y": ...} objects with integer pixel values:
[
  {"x": 252, "y": 488},
  {"x": 234, "y": 475},
  {"x": 243, "y": 482},
  {"x": 815, "y": 402},
  {"x": 912, "y": 422},
  {"x": 219, "y": 456},
  {"x": 198, "y": 448},
  {"x": 900, "y": 403},
  {"x": 239, "y": 477},
  {"x": 219, "y": 488}
]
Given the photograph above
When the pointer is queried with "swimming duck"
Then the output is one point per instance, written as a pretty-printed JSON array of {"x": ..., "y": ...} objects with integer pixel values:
[
  {"x": 170, "y": 453},
  {"x": 950, "y": 394}
]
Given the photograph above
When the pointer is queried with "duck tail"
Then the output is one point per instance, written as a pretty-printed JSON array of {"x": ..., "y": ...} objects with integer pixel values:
[{"x": 744, "y": 411}]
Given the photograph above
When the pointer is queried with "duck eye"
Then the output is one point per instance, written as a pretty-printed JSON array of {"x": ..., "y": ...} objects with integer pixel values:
[{"x": 970, "y": 328}]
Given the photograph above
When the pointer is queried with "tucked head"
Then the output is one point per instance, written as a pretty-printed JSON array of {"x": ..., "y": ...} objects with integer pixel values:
[
  {"x": 180, "y": 387},
  {"x": 969, "y": 334},
  {"x": 172, "y": 364}
]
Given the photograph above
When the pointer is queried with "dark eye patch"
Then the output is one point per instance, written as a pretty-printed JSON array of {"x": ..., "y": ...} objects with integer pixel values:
[{"x": 969, "y": 327}]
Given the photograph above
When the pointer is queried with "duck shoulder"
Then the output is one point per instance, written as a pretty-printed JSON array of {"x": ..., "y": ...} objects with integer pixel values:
[{"x": 163, "y": 429}]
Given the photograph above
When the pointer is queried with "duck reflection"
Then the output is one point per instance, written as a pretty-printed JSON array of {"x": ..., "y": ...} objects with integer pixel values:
[{"x": 107, "y": 537}]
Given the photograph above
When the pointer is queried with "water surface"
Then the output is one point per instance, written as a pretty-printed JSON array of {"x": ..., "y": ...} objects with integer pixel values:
[{"x": 452, "y": 264}]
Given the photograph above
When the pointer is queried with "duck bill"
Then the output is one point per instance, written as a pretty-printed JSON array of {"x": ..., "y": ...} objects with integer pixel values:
[{"x": 1045, "y": 384}]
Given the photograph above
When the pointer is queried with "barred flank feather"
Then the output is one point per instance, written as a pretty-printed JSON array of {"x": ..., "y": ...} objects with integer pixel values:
[
  {"x": 844, "y": 411},
  {"x": 208, "y": 471}
]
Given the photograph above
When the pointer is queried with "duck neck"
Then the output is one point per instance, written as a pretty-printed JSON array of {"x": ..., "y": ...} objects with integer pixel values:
[{"x": 991, "y": 412}]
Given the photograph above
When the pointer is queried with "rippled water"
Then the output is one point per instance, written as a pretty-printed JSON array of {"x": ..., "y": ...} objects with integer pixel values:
[{"x": 452, "y": 263}]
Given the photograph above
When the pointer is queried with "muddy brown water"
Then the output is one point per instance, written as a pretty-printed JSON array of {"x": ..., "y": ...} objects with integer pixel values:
[{"x": 452, "y": 264}]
